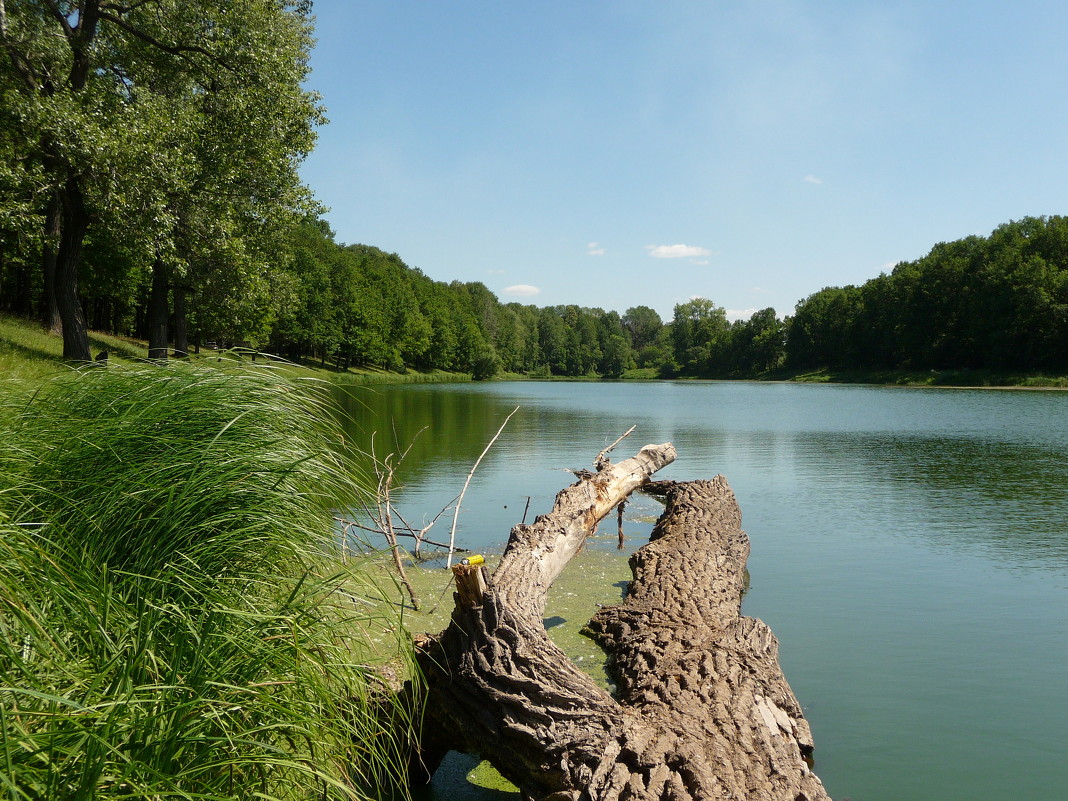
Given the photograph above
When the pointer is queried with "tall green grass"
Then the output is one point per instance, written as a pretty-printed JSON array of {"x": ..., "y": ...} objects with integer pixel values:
[{"x": 172, "y": 623}]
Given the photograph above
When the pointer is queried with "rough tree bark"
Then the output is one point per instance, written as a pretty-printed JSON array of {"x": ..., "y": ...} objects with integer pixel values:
[
  {"x": 49, "y": 252},
  {"x": 158, "y": 311},
  {"x": 702, "y": 709},
  {"x": 73, "y": 227},
  {"x": 181, "y": 322}
]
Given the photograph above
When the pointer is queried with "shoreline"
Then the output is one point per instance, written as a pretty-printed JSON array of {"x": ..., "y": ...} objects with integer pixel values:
[{"x": 26, "y": 349}]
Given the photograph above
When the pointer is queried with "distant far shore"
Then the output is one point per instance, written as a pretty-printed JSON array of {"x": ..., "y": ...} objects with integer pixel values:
[{"x": 26, "y": 350}]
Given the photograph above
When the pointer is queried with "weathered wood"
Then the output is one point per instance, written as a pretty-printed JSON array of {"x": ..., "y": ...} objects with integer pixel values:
[
  {"x": 682, "y": 652},
  {"x": 702, "y": 709}
]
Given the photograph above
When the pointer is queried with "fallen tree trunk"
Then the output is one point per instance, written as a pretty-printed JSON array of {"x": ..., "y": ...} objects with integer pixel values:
[{"x": 702, "y": 710}]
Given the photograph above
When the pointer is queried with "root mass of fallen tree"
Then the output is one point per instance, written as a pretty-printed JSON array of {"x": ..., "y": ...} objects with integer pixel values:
[{"x": 702, "y": 709}]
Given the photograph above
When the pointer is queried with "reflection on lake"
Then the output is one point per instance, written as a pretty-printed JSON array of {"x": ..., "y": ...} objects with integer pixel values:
[{"x": 910, "y": 548}]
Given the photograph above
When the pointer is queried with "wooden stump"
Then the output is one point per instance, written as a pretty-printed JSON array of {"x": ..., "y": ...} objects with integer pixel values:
[{"x": 702, "y": 709}]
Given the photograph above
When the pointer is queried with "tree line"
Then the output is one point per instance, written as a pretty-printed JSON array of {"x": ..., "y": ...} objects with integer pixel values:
[
  {"x": 998, "y": 302},
  {"x": 356, "y": 305}
]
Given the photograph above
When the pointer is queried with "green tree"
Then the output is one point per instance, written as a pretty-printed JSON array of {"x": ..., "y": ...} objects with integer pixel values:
[
  {"x": 644, "y": 326},
  {"x": 699, "y": 331},
  {"x": 113, "y": 101},
  {"x": 757, "y": 345},
  {"x": 553, "y": 341},
  {"x": 614, "y": 340},
  {"x": 821, "y": 330}
]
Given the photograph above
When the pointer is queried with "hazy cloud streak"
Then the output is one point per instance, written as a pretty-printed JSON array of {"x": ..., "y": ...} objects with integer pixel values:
[
  {"x": 677, "y": 251},
  {"x": 521, "y": 290}
]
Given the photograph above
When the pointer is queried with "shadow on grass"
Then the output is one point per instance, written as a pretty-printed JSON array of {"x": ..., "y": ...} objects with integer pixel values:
[
  {"x": 27, "y": 340},
  {"x": 118, "y": 347},
  {"x": 28, "y": 352}
]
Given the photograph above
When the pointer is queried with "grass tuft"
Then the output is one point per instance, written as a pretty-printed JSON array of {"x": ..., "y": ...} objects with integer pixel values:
[{"x": 171, "y": 617}]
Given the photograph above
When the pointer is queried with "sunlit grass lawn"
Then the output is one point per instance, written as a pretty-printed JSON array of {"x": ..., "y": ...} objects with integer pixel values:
[{"x": 30, "y": 353}]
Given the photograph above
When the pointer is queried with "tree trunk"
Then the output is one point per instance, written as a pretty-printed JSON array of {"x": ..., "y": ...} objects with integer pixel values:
[
  {"x": 702, "y": 709},
  {"x": 49, "y": 306},
  {"x": 74, "y": 224},
  {"x": 181, "y": 323},
  {"x": 158, "y": 311}
]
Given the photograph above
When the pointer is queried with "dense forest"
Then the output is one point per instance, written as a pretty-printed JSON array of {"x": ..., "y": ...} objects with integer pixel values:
[
  {"x": 998, "y": 302},
  {"x": 149, "y": 187}
]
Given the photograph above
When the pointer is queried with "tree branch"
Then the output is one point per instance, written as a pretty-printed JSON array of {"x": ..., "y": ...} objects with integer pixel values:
[
  {"x": 174, "y": 50},
  {"x": 701, "y": 712},
  {"x": 127, "y": 8},
  {"x": 602, "y": 458},
  {"x": 68, "y": 31},
  {"x": 459, "y": 500}
]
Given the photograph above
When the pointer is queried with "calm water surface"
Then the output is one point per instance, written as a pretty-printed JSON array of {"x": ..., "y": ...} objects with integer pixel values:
[{"x": 909, "y": 548}]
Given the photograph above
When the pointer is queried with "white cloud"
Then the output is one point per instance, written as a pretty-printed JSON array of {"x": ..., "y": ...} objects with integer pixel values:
[
  {"x": 496, "y": 272},
  {"x": 594, "y": 249},
  {"x": 521, "y": 290},
  {"x": 678, "y": 252},
  {"x": 812, "y": 179},
  {"x": 740, "y": 314}
]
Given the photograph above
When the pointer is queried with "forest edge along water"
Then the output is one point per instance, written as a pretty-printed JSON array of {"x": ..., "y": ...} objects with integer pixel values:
[
  {"x": 896, "y": 535},
  {"x": 153, "y": 189}
]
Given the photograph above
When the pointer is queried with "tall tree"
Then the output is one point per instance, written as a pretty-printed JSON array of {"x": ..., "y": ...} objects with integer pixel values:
[
  {"x": 643, "y": 324},
  {"x": 699, "y": 330}
]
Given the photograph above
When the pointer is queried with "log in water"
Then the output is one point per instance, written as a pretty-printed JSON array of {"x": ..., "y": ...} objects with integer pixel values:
[{"x": 703, "y": 710}]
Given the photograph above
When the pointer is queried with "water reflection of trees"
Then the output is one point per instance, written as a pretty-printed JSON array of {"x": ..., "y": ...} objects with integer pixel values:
[{"x": 435, "y": 425}]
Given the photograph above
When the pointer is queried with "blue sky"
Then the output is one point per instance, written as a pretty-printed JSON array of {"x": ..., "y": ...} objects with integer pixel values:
[{"x": 613, "y": 153}]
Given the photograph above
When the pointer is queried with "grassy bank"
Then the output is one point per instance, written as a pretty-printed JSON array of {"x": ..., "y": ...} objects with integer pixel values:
[
  {"x": 925, "y": 378},
  {"x": 29, "y": 352},
  {"x": 175, "y": 621}
]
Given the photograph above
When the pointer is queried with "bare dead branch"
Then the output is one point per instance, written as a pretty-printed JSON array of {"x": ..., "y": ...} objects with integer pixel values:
[
  {"x": 384, "y": 469},
  {"x": 406, "y": 531},
  {"x": 602, "y": 458},
  {"x": 474, "y": 467}
]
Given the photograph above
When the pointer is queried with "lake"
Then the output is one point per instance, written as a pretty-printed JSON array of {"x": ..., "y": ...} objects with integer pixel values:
[{"x": 909, "y": 548}]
